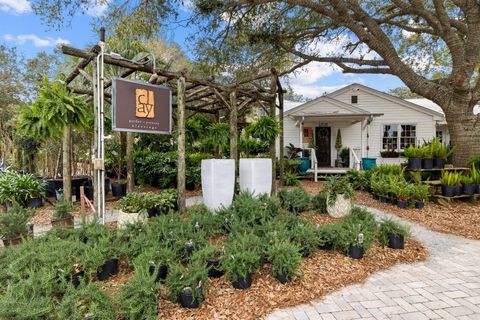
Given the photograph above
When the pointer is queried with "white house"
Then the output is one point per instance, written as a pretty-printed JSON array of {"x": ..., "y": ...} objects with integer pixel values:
[{"x": 370, "y": 122}]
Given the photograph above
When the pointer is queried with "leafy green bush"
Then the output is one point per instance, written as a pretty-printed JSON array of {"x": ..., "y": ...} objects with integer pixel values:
[
  {"x": 202, "y": 218},
  {"x": 285, "y": 258},
  {"x": 86, "y": 302},
  {"x": 135, "y": 202},
  {"x": 13, "y": 223},
  {"x": 193, "y": 278},
  {"x": 156, "y": 168},
  {"x": 242, "y": 255},
  {"x": 63, "y": 209},
  {"x": 20, "y": 188},
  {"x": 359, "y": 180},
  {"x": 300, "y": 232},
  {"x": 388, "y": 226},
  {"x": 290, "y": 179},
  {"x": 356, "y": 231},
  {"x": 319, "y": 201},
  {"x": 295, "y": 200},
  {"x": 138, "y": 298},
  {"x": 328, "y": 235}
]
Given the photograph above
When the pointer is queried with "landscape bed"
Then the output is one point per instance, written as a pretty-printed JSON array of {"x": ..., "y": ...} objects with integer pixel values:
[{"x": 254, "y": 236}]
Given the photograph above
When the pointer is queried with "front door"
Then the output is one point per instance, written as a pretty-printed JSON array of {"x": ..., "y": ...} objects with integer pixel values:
[{"x": 323, "y": 146}]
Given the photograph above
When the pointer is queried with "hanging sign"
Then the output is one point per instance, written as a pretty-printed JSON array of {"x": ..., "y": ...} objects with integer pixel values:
[{"x": 141, "y": 107}]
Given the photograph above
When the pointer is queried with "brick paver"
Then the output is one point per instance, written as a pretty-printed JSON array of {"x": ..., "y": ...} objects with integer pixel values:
[{"x": 446, "y": 286}]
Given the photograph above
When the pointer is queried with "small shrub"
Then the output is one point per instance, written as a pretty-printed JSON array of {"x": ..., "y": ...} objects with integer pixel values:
[
  {"x": 14, "y": 222},
  {"x": 300, "y": 232},
  {"x": 387, "y": 226},
  {"x": 193, "y": 278},
  {"x": 296, "y": 200},
  {"x": 63, "y": 209},
  {"x": 319, "y": 201},
  {"x": 242, "y": 255},
  {"x": 328, "y": 235},
  {"x": 357, "y": 234},
  {"x": 290, "y": 179},
  {"x": 138, "y": 298},
  {"x": 285, "y": 258}
]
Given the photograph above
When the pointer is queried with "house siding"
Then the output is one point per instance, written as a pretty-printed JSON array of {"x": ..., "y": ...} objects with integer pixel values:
[{"x": 393, "y": 113}]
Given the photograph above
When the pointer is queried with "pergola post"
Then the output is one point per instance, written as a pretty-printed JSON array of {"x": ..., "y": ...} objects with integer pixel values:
[
  {"x": 181, "y": 144},
  {"x": 282, "y": 133},
  {"x": 273, "y": 89},
  {"x": 233, "y": 129},
  {"x": 130, "y": 174}
]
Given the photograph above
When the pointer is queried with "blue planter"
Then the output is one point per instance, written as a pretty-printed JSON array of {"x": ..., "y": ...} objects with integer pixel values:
[
  {"x": 304, "y": 165},
  {"x": 369, "y": 163}
]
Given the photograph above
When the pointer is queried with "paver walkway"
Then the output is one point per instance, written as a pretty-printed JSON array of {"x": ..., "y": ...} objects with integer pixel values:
[{"x": 446, "y": 286}]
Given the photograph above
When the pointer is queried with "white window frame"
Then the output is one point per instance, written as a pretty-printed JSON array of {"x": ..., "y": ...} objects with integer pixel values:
[{"x": 398, "y": 124}]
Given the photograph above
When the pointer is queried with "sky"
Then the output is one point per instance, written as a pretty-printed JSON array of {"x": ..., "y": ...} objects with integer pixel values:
[{"x": 21, "y": 28}]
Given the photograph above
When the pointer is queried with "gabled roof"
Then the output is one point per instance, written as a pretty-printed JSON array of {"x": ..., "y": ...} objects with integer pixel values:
[
  {"x": 389, "y": 97},
  {"x": 339, "y": 104},
  {"x": 435, "y": 107}
]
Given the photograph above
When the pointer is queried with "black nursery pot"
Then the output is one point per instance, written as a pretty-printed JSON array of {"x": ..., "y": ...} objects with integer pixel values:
[
  {"x": 243, "y": 283},
  {"x": 108, "y": 269},
  {"x": 213, "y": 268},
  {"x": 394, "y": 201},
  {"x": 469, "y": 189},
  {"x": 448, "y": 191},
  {"x": 383, "y": 199},
  {"x": 35, "y": 203},
  {"x": 88, "y": 191},
  {"x": 327, "y": 246},
  {"x": 107, "y": 186},
  {"x": 438, "y": 163},
  {"x": 427, "y": 163},
  {"x": 283, "y": 278},
  {"x": 402, "y": 204},
  {"x": 458, "y": 190},
  {"x": 153, "y": 212},
  {"x": 76, "y": 278},
  {"x": 187, "y": 300},
  {"x": 478, "y": 189},
  {"x": 355, "y": 252},
  {"x": 161, "y": 274},
  {"x": 396, "y": 241},
  {"x": 419, "y": 204},
  {"x": 119, "y": 189},
  {"x": 414, "y": 163}
]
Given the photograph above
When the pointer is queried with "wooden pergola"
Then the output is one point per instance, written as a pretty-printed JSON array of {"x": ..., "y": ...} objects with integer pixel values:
[{"x": 195, "y": 95}]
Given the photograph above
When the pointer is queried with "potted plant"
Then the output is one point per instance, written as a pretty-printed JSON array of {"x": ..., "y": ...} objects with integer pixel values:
[
  {"x": 14, "y": 224},
  {"x": 158, "y": 261},
  {"x": 427, "y": 156},
  {"x": 449, "y": 182},
  {"x": 403, "y": 192},
  {"x": 468, "y": 185},
  {"x": 286, "y": 259},
  {"x": 328, "y": 236},
  {"x": 241, "y": 259},
  {"x": 211, "y": 256},
  {"x": 119, "y": 189},
  {"x": 345, "y": 155},
  {"x": 474, "y": 162},
  {"x": 338, "y": 146},
  {"x": 414, "y": 156},
  {"x": 25, "y": 189},
  {"x": 339, "y": 199},
  {"x": 187, "y": 285},
  {"x": 475, "y": 174},
  {"x": 393, "y": 234},
  {"x": 62, "y": 213},
  {"x": 108, "y": 248},
  {"x": 355, "y": 238},
  {"x": 420, "y": 193},
  {"x": 441, "y": 152}
]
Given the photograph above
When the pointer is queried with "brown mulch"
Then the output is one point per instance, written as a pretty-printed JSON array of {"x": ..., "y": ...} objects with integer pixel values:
[
  {"x": 323, "y": 273},
  {"x": 461, "y": 218}
]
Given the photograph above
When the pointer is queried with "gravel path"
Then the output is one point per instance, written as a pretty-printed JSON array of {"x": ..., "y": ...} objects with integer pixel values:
[{"x": 446, "y": 286}]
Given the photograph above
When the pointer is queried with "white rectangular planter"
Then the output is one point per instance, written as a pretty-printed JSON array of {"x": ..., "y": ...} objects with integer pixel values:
[
  {"x": 256, "y": 176},
  {"x": 218, "y": 182}
]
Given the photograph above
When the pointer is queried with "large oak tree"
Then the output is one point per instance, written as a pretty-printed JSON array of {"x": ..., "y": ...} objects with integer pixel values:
[{"x": 433, "y": 46}]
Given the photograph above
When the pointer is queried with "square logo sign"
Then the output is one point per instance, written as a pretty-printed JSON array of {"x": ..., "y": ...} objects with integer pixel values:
[{"x": 141, "y": 107}]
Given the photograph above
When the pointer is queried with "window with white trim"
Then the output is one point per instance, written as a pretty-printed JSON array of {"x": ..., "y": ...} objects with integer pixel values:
[{"x": 398, "y": 136}]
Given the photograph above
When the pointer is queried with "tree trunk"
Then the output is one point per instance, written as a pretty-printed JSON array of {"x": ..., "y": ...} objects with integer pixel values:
[
  {"x": 464, "y": 130},
  {"x": 67, "y": 165},
  {"x": 130, "y": 175},
  {"x": 181, "y": 144}
]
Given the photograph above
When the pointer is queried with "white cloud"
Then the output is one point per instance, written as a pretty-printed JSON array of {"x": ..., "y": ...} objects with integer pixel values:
[
  {"x": 97, "y": 8},
  {"x": 187, "y": 5},
  {"x": 35, "y": 40},
  {"x": 15, "y": 6}
]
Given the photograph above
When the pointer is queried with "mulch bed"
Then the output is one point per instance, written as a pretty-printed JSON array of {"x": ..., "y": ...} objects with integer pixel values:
[
  {"x": 323, "y": 273},
  {"x": 461, "y": 218}
]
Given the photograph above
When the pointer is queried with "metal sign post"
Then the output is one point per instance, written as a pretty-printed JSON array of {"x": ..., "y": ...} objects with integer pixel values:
[{"x": 99, "y": 149}]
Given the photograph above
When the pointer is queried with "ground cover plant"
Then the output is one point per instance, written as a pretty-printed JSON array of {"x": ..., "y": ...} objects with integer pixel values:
[{"x": 61, "y": 270}]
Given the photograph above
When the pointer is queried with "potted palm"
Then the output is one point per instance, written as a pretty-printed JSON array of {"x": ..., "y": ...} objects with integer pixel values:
[
  {"x": 441, "y": 153},
  {"x": 449, "y": 182},
  {"x": 286, "y": 259},
  {"x": 414, "y": 156},
  {"x": 62, "y": 213},
  {"x": 339, "y": 199},
  {"x": 420, "y": 193},
  {"x": 428, "y": 154},
  {"x": 14, "y": 224},
  {"x": 475, "y": 174},
  {"x": 393, "y": 234},
  {"x": 24, "y": 189},
  {"x": 241, "y": 259},
  {"x": 468, "y": 185}
]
